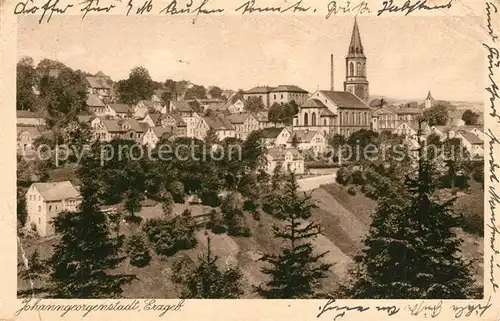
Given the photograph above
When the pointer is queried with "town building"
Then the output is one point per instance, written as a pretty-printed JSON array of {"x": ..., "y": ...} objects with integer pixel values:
[
  {"x": 473, "y": 144},
  {"x": 189, "y": 116},
  {"x": 286, "y": 93},
  {"x": 174, "y": 123},
  {"x": 244, "y": 124},
  {"x": 29, "y": 118},
  {"x": 287, "y": 159},
  {"x": 44, "y": 201},
  {"x": 26, "y": 136},
  {"x": 275, "y": 136},
  {"x": 261, "y": 92},
  {"x": 222, "y": 127},
  {"x": 155, "y": 134},
  {"x": 429, "y": 101},
  {"x": 384, "y": 119},
  {"x": 122, "y": 111},
  {"x": 100, "y": 85},
  {"x": 308, "y": 140}
]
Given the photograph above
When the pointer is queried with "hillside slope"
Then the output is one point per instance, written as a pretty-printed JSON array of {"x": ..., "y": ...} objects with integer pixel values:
[{"x": 344, "y": 220}]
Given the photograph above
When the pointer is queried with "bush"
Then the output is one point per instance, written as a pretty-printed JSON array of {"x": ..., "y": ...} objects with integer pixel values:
[
  {"x": 210, "y": 198},
  {"x": 256, "y": 215},
  {"x": 138, "y": 251},
  {"x": 250, "y": 206},
  {"x": 358, "y": 178},
  {"x": 218, "y": 229},
  {"x": 171, "y": 236},
  {"x": 343, "y": 176},
  {"x": 351, "y": 190},
  {"x": 478, "y": 174},
  {"x": 135, "y": 219}
]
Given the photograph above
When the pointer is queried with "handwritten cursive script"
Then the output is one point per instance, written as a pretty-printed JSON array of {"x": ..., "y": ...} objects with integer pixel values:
[
  {"x": 202, "y": 10},
  {"x": 490, "y": 6},
  {"x": 330, "y": 306},
  {"x": 358, "y": 8},
  {"x": 93, "y": 6},
  {"x": 493, "y": 201},
  {"x": 250, "y": 7},
  {"x": 409, "y": 7},
  {"x": 423, "y": 308},
  {"x": 493, "y": 63},
  {"x": 49, "y": 8},
  {"x": 468, "y": 309}
]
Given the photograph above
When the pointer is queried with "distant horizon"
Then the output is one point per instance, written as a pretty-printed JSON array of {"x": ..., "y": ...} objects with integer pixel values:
[{"x": 296, "y": 51}]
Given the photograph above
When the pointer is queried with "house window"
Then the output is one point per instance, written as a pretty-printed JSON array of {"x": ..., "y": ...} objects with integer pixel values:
[
  {"x": 50, "y": 208},
  {"x": 281, "y": 96},
  {"x": 313, "y": 119},
  {"x": 324, "y": 122},
  {"x": 306, "y": 120}
]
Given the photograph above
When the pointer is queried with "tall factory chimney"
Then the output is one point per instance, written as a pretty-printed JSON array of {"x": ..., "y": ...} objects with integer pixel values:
[{"x": 331, "y": 72}]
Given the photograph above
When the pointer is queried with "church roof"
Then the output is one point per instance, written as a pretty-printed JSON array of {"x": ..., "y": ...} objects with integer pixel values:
[
  {"x": 429, "y": 96},
  {"x": 313, "y": 103},
  {"x": 356, "y": 47},
  {"x": 345, "y": 99}
]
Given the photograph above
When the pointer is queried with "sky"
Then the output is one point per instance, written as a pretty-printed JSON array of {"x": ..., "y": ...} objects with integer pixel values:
[{"x": 406, "y": 56}]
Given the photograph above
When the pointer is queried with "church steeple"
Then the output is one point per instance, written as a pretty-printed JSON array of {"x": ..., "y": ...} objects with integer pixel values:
[
  {"x": 356, "y": 81},
  {"x": 356, "y": 47}
]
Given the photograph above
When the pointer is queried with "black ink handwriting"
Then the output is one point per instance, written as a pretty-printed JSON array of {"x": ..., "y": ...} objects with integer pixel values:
[
  {"x": 202, "y": 10},
  {"x": 410, "y": 7},
  {"x": 359, "y": 8},
  {"x": 296, "y": 7},
  {"x": 22, "y": 8},
  {"x": 329, "y": 307},
  {"x": 391, "y": 309},
  {"x": 493, "y": 62},
  {"x": 172, "y": 8},
  {"x": 493, "y": 201},
  {"x": 147, "y": 6},
  {"x": 249, "y": 7},
  {"x": 479, "y": 309},
  {"x": 490, "y": 5},
  {"x": 422, "y": 308},
  {"x": 51, "y": 7},
  {"x": 93, "y": 5}
]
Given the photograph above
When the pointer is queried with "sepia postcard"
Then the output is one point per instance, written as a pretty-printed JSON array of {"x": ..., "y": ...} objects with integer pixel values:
[{"x": 307, "y": 159}]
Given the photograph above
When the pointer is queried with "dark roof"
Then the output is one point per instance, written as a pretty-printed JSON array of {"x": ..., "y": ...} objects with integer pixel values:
[
  {"x": 345, "y": 99},
  {"x": 178, "y": 118},
  {"x": 260, "y": 90},
  {"x": 409, "y": 110},
  {"x": 355, "y": 47},
  {"x": 313, "y": 103},
  {"x": 279, "y": 153},
  {"x": 238, "y": 118},
  {"x": 56, "y": 191},
  {"x": 155, "y": 117},
  {"x": 94, "y": 101},
  {"x": 120, "y": 108},
  {"x": 25, "y": 114},
  {"x": 271, "y": 132},
  {"x": 182, "y": 106},
  {"x": 473, "y": 139},
  {"x": 98, "y": 82},
  {"x": 218, "y": 123},
  {"x": 303, "y": 136},
  {"x": 289, "y": 88}
]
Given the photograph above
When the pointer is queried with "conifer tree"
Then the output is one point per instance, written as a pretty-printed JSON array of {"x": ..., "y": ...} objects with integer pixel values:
[
  {"x": 412, "y": 250},
  {"x": 296, "y": 272},
  {"x": 86, "y": 251},
  {"x": 207, "y": 281}
]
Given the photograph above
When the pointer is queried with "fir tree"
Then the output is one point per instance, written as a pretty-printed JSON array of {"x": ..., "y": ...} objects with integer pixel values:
[
  {"x": 86, "y": 251},
  {"x": 412, "y": 251},
  {"x": 296, "y": 272},
  {"x": 207, "y": 281}
]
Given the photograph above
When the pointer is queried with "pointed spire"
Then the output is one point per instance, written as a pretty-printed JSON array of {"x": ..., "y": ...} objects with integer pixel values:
[
  {"x": 429, "y": 96},
  {"x": 356, "y": 47}
]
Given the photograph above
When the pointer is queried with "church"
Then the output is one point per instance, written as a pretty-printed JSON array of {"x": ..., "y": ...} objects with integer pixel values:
[{"x": 340, "y": 112}]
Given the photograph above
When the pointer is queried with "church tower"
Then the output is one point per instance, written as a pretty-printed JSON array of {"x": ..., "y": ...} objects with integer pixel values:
[{"x": 355, "y": 61}]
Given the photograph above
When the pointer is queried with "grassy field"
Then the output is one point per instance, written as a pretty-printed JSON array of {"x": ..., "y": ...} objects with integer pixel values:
[{"x": 344, "y": 220}]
